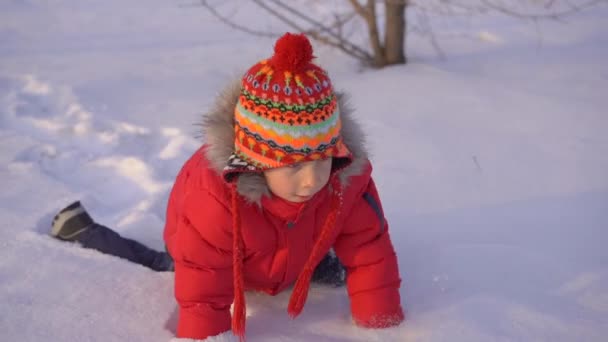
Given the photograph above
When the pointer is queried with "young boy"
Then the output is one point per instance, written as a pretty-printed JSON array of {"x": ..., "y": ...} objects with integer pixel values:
[{"x": 282, "y": 179}]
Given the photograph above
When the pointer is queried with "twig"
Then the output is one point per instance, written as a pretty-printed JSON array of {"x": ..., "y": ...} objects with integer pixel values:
[
  {"x": 313, "y": 33},
  {"x": 477, "y": 164},
  {"x": 232, "y": 24},
  {"x": 323, "y": 28},
  {"x": 368, "y": 13},
  {"x": 535, "y": 16},
  {"x": 428, "y": 30}
]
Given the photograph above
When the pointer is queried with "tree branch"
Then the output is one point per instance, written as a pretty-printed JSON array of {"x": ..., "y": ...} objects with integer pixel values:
[
  {"x": 326, "y": 29},
  {"x": 359, "y": 9},
  {"x": 369, "y": 14},
  {"x": 426, "y": 29},
  {"x": 536, "y": 16},
  {"x": 374, "y": 36},
  {"x": 230, "y": 23},
  {"x": 448, "y": 8},
  {"x": 313, "y": 33}
]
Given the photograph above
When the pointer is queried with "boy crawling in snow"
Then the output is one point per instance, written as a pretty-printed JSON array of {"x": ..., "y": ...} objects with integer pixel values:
[{"x": 282, "y": 179}]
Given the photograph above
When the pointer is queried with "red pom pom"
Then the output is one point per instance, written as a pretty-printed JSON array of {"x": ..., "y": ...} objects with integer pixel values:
[{"x": 292, "y": 52}]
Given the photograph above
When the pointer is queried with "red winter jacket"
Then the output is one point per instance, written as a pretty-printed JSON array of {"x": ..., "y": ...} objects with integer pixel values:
[{"x": 277, "y": 235}]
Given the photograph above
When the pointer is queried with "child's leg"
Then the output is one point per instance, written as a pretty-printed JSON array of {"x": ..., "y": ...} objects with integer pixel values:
[
  {"x": 74, "y": 224},
  {"x": 107, "y": 241}
]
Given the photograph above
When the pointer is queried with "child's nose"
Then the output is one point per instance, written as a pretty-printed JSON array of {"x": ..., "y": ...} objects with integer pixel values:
[{"x": 311, "y": 179}]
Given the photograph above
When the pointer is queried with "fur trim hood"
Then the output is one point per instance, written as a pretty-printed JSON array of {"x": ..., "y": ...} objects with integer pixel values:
[{"x": 218, "y": 130}]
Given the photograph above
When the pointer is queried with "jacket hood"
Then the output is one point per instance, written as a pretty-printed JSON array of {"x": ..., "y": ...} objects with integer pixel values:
[{"x": 218, "y": 130}]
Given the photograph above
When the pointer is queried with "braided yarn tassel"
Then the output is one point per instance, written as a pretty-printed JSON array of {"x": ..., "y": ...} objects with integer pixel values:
[
  {"x": 239, "y": 308},
  {"x": 300, "y": 290}
]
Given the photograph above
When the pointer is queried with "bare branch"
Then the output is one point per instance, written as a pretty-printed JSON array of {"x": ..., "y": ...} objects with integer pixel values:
[
  {"x": 232, "y": 24},
  {"x": 535, "y": 16},
  {"x": 323, "y": 28},
  {"x": 428, "y": 31},
  {"x": 341, "y": 26},
  {"x": 449, "y": 8},
  {"x": 327, "y": 29},
  {"x": 369, "y": 14},
  {"x": 374, "y": 36},
  {"x": 313, "y": 33},
  {"x": 467, "y": 8},
  {"x": 359, "y": 9}
]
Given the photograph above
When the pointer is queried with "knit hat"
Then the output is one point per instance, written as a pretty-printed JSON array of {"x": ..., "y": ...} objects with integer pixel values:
[{"x": 287, "y": 112}]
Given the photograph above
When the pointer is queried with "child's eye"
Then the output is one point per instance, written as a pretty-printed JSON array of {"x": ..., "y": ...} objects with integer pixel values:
[{"x": 294, "y": 166}]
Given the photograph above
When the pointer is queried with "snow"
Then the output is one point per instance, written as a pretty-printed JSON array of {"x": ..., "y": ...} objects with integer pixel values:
[{"x": 492, "y": 164}]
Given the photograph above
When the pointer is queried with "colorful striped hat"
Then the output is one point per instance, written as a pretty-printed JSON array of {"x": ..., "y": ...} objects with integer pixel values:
[{"x": 287, "y": 112}]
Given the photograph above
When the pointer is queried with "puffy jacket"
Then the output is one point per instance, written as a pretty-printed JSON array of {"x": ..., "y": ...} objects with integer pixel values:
[{"x": 278, "y": 236}]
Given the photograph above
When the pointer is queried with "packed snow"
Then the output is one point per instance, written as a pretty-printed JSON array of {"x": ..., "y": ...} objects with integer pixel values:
[{"x": 492, "y": 164}]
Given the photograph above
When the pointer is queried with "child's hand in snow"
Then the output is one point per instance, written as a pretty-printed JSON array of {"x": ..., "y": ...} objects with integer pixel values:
[{"x": 224, "y": 337}]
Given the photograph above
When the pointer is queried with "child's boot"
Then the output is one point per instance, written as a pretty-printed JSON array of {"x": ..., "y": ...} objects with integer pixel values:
[{"x": 71, "y": 222}]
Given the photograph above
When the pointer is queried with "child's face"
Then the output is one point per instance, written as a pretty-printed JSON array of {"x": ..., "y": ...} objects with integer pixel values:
[{"x": 298, "y": 182}]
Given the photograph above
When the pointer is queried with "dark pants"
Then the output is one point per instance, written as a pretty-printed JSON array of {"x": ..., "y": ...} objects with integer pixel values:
[
  {"x": 107, "y": 241},
  {"x": 329, "y": 271}
]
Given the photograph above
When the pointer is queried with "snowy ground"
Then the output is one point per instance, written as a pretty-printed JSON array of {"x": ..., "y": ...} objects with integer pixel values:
[{"x": 492, "y": 165}]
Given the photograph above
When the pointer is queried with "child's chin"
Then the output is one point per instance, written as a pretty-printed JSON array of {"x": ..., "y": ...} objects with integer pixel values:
[{"x": 299, "y": 199}]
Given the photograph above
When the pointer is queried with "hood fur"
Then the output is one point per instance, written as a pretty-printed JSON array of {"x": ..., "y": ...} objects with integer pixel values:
[{"x": 218, "y": 130}]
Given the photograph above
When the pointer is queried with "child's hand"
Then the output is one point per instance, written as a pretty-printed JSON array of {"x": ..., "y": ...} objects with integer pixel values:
[{"x": 223, "y": 337}]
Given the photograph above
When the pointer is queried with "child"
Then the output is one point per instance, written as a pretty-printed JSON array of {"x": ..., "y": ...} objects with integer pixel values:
[{"x": 282, "y": 179}]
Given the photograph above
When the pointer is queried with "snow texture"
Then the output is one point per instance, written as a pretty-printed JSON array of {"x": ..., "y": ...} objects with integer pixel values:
[{"x": 492, "y": 165}]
